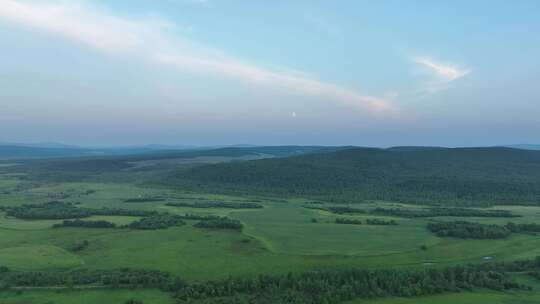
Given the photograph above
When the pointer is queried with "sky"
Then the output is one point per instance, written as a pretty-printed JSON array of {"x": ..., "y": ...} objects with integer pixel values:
[{"x": 216, "y": 72}]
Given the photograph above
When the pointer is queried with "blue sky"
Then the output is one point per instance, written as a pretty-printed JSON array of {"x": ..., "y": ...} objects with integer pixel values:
[{"x": 204, "y": 72}]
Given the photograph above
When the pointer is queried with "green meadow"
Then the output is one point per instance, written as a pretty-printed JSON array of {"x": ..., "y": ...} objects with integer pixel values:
[
  {"x": 84, "y": 296},
  {"x": 284, "y": 236}
]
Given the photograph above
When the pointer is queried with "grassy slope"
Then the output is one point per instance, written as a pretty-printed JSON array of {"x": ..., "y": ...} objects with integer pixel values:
[{"x": 282, "y": 238}]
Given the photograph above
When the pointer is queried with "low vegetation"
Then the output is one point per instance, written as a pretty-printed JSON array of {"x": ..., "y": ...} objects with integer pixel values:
[{"x": 79, "y": 246}]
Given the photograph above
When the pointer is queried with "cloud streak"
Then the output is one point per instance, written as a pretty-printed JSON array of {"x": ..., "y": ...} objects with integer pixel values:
[
  {"x": 444, "y": 72},
  {"x": 148, "y": 40}
]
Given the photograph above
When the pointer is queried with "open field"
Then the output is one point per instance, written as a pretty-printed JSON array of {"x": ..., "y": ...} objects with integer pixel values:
[{"x": 84, "y": 296}]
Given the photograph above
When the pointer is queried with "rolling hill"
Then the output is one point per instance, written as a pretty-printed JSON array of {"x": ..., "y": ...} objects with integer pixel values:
[{"x": 463, "y": 176}]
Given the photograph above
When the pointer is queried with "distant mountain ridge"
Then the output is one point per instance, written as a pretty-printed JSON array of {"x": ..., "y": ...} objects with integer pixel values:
[
  {"x": 53, "y": 151},
  {"x": 24, "y": 151},
  {"x": 525, "y": 147}
]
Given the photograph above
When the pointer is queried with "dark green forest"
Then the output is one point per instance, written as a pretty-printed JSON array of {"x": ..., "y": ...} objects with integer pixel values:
[
  {"x": 64, "y": 210},
  {"x": 468, "y": 230},
  {"x": 436, "y": 176}
]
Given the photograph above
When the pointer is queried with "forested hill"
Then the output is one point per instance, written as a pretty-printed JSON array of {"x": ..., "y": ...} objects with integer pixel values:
[{"x": 424, "y": 175}]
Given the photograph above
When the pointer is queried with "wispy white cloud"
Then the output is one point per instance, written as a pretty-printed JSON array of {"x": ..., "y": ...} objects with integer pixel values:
[
  {"x": 442, "y": 74},
  {"x": 101, "y": 31},
  {"x": 148, "y": 39}
]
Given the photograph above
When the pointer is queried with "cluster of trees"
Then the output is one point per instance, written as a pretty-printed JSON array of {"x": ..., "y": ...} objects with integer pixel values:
[
  {"x": 122, "y": 212},
  {"x": 51, "y": 210},
  {"x": 217, "y": 204},
  {"x": 381, "y": 222},
  {"x": 63, "y": 210},
  {"x": 517, "y": 228},
  {"x": 200, "y": 217},
  {"x": 462, "y": 229},
  {"x": 85, "y": 224},
  {"x": 123, "y": 277},
  {"x": 432, "y": 212},
  {"x": 144, "y": 200},
  {"x": 468, "y": 230},
  {"x": 220, "y": 223},
  {"x": 347, "y": 221},
  {"x": 346, "y": 285},
  {"x": 157, "y": 221}
]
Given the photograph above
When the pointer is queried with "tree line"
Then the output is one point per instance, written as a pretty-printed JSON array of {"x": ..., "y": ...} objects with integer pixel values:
[
  {"x": 414, "y": 213},
  {"x": 220, "y": 223},
  {"x": 432, "y": 212},
  {"x": 217, "y": 204},
  {"x": 62, "y": 210},
  {"x": 85, "y": 224},
  {"x": 345, "y": 285},
  {"x": 144, "y": 200},
  {"x": 124, "y": 277},
  {"x": 381, "y": 222},
  {"x": 315, "y": 287},
  {"x": 157, "y": 221},
  {"x": 468, "y": 230},
  {"x": 347, "y": 221},
  {"x": 371, "y": 221},
  {"x": 517, "y": 228}
]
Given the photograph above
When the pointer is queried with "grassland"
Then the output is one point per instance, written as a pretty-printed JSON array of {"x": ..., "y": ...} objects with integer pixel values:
[
  {"x": 84, "y": 296},
  {"x": 279, "y": 238}
]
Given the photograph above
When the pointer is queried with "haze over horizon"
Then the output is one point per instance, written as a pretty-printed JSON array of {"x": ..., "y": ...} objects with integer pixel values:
[{"x": 209, "y": 72}]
